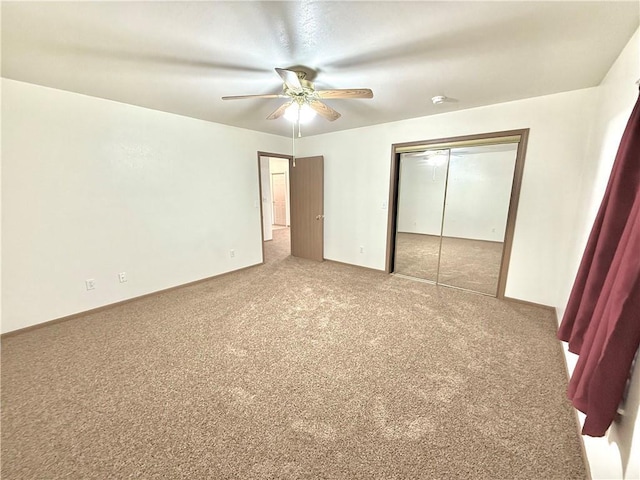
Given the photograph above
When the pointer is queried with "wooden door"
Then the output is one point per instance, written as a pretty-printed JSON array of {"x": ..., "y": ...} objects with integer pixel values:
[
  {"x": 306, "y": 184},
  {"x": 279, "y": 191}
]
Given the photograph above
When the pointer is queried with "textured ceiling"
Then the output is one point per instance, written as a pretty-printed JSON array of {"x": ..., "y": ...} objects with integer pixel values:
[{"x": 181, "y": 57}]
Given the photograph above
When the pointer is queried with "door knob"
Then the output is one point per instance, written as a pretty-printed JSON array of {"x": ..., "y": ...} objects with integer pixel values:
[{"x": 318, "y": 217}]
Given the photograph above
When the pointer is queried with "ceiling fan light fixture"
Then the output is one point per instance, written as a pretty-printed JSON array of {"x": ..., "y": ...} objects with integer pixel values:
[{"x": 306, "y": 113}]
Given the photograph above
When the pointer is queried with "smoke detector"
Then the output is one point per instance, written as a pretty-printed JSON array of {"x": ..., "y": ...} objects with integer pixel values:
[{"x": 438, "y": 99}]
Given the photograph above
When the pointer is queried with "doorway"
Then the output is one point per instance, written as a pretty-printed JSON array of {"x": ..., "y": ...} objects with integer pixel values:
[
  {"x": 275, "y": 206},
  {"x": 453, "y": 206},
  {"x": 292, "y": 206}
]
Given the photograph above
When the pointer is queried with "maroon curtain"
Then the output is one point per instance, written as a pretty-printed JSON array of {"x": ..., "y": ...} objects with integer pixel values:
[{"x": 602, "y": 320}]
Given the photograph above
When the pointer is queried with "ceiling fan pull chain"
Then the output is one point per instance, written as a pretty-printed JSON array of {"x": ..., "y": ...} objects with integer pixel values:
[{"x": 293, "y": 143}]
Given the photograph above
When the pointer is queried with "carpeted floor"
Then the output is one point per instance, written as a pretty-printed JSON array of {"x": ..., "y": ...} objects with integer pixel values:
[
  {"x": 470, "y": 264},
  {"x": 292, "y": 369}
]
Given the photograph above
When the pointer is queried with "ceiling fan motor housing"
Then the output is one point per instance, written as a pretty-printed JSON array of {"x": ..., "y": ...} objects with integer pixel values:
[{"x": 304, "y": 95}]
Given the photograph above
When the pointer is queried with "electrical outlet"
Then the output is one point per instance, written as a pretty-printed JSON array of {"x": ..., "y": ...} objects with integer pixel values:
[
  {"x": 90, "y": 283},
  {"x": 361, "y": 249},
  {"x": 122, "y": 276},
  {"x": 232, "y": 253}
]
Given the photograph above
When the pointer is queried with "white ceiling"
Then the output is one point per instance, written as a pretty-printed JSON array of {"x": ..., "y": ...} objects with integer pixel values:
[{"x": 181, "y": 57}]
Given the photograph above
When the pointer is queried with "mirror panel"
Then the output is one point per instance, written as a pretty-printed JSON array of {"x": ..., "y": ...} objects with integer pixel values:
[
  {"x": 421, "y": 192},
  {"x": 477, "y": 202}
]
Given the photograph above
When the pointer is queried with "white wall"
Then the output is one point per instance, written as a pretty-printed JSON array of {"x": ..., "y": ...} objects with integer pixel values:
[
  {"x": 357, "y": 167},
  {"x": 618, "y": 454},
  {"x": 92, "y": 187}
]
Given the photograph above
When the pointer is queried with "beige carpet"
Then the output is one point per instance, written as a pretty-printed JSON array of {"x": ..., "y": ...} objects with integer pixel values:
[
  {"x": 470, "y": 264},
  {"x": 293, "y": 369}
]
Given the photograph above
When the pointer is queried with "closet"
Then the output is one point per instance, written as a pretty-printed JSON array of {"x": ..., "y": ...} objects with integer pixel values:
[{"x": 454, "y": 208}]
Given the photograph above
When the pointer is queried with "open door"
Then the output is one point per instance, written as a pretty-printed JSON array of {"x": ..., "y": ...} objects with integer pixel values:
[{"x": 307, "y": 207}]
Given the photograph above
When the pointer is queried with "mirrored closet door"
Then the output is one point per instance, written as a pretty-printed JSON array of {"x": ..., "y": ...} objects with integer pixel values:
[
  {"x": 452, "y": 213},
  {"x": 423, "y": 179}
]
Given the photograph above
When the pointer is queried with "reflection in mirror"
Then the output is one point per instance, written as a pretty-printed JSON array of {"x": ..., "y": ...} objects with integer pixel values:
[
  {"x": 421, "y": 190},
  {"x": 475, "y": 216}
]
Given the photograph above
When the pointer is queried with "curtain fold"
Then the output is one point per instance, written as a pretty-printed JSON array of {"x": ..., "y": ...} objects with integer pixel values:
[{"x": 602, "y": 320}]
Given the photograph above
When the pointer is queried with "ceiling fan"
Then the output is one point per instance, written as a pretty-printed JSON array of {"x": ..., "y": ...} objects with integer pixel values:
[{"x": 300, "y": 92}]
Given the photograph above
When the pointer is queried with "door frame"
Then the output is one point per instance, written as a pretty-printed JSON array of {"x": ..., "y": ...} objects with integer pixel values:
[
  {"x": 513, "y": 202},
  {"x": 274, "y": 155}
]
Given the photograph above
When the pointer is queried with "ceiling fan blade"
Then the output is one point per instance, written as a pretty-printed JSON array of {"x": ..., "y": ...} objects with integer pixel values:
[
  {"x": 240, "y": 97},
  {"x": 278, "y": 112},
  {"x": 324, "y": 110},
  {"x": 290, "y": 79},
  {"x": 346, "y": 93}
]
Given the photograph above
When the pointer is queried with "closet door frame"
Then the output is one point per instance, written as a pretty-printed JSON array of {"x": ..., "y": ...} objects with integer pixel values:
[{"x": 452, "y": 142}]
